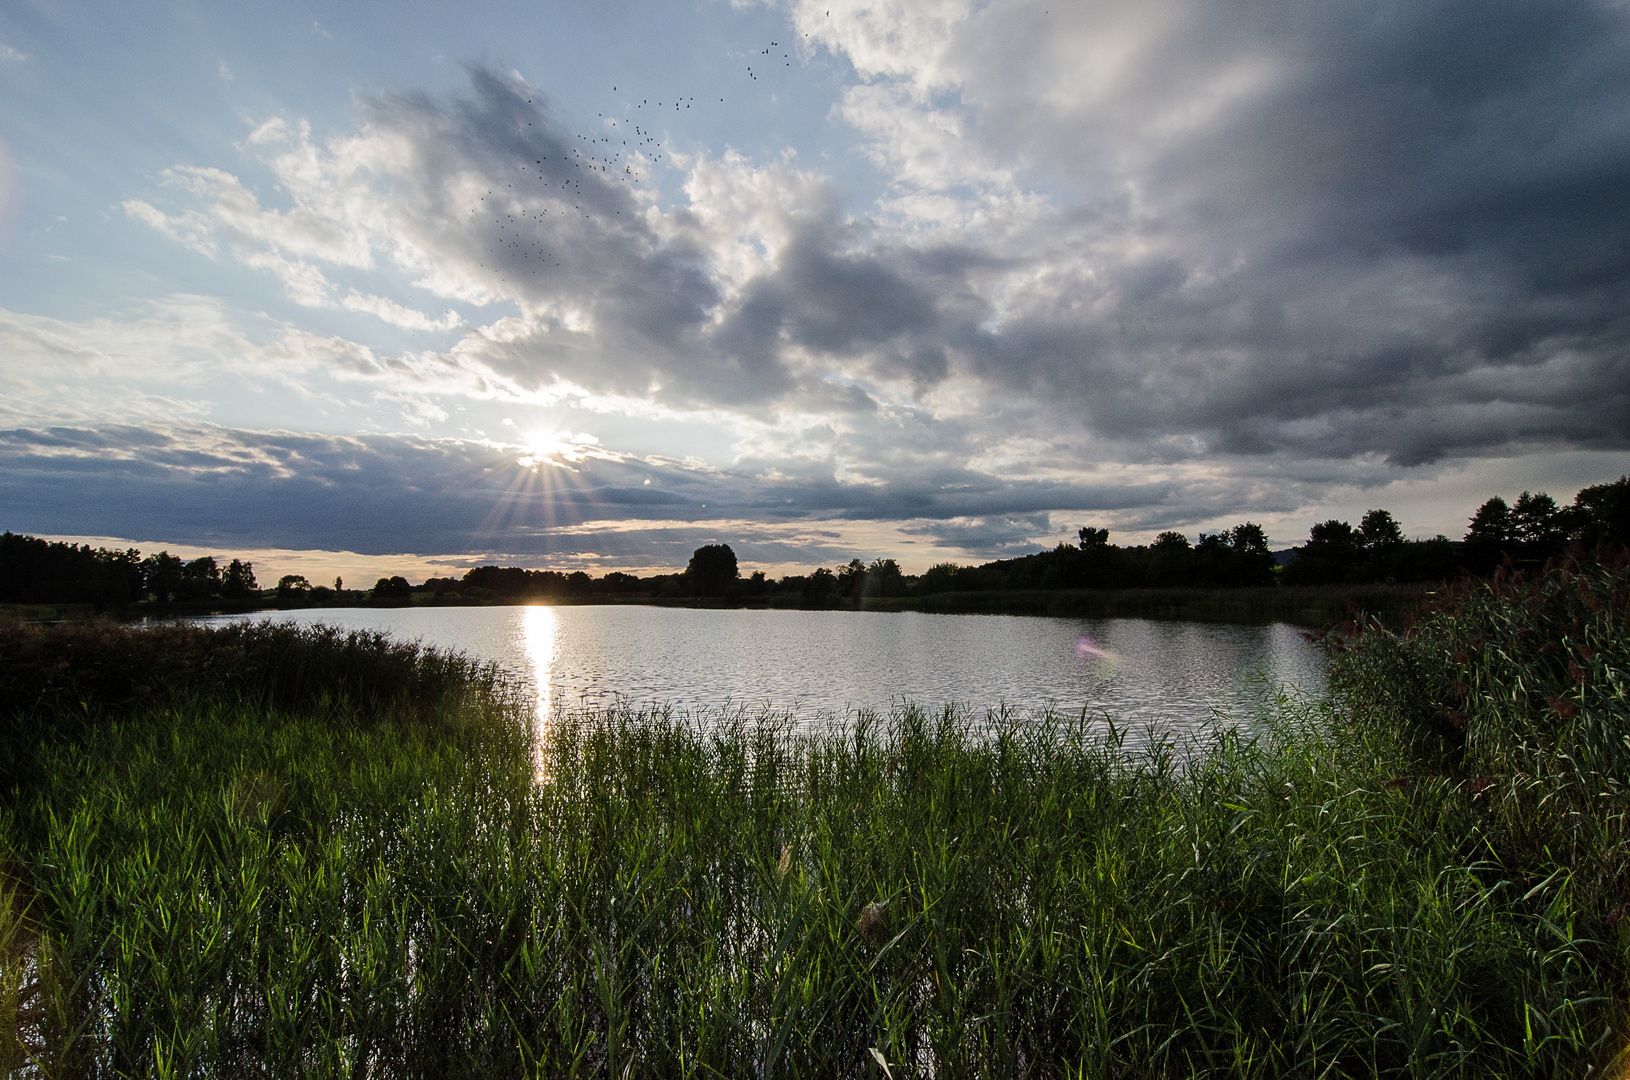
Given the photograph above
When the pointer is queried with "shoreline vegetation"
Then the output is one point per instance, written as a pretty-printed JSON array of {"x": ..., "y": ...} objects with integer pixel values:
[
  {"x": 1313, "y": 607},
  {"x": 1229, "y": 576},
  {"x": 263, "y": 850}
]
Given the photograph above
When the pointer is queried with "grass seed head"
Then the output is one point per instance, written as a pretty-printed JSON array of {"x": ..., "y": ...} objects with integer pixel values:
[{"x": 873, "y": 925}]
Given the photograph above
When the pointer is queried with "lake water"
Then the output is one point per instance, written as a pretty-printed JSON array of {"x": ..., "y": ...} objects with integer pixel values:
[{"x": 829, "y": 664}]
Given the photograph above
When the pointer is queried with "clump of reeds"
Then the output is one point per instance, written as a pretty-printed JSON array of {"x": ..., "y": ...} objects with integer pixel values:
[
  {"x": 57, "y": 681},
  {"x": 1518, "y": 691},
  {"x": 243, "y": 883}
]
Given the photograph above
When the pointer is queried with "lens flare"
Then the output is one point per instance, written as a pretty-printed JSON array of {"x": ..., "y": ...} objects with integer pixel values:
[{"x": 1088, "y": 649}]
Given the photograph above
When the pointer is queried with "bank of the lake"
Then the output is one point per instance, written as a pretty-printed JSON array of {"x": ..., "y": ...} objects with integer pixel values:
[
  {"x": 286, "y": 850},
  {"x": 1314, "y": 607}
]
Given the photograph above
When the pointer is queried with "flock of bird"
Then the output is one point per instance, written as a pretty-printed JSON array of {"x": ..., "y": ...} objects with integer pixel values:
[
  {"x": 611, "y": 155},
  {"x": 766, "y": 52}
]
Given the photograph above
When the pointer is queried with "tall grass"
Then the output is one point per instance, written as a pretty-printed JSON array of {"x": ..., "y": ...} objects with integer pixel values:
[
  {"x": 1518, "y": 693},
  {"x": 255, "y": 881}
]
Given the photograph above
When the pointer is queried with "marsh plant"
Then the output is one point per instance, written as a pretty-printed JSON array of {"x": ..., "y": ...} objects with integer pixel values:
[{"x": 357, "y": 857}]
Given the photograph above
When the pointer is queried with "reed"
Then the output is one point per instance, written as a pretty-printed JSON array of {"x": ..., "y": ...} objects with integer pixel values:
[
  {"x": 303, "y": 873},
  {"x": 1517, "y": 693}
]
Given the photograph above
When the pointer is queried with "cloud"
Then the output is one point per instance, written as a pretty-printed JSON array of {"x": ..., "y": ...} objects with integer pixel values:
[
  {"x": 1301, "y": 236},
  {"x": 12, "y": 55},
  {"x": 1007, "y": 535},
  {"x": 1146, "y": 260},
  {"x": 1332, "y": 233},
  {"x": 381, "y": 494},
  {"x": 488, "y": 201},
  {"x": 397, "y": 315},
  {"x": 178, "y": 340}
]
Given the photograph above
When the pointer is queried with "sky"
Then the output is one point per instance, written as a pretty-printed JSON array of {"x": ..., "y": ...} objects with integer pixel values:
[{"x": 406, "y": 288}]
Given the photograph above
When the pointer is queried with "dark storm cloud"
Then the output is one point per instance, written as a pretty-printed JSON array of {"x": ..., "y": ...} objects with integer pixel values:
[{"x": 1410, "y": 236}]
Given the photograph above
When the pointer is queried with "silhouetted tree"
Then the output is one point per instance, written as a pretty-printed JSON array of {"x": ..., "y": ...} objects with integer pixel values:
[
  {"x": 1539, "y": 526},
  {"x": 822, "y": 583},
  {"x": 239, "y": 580},
  {"x": 712, "y": 570},
  {"x": 395, "y": 587},
  {"x": 1237, "y": 557},
  {"x": 852, "y": 579},
  {"x": 1491, "y": 524},
  {"x": 1253, "y": 560},
  {"x": 200, "y": 579},
  {"x": 1489, "y": 538},
  {"x": 1602, "y": 513},
  {"x": 1171, "y": 560},
  {"x": 947, "y": 577},
  {"x": 618, "y": 582},
  {"x": 36, "y": 571},
  {"x": 883, "y": 578},
  {"x": 1379, "y": 531},
  {"x": 293, "y": 587},
  {"x": 1531, "y": 531},
  {"x": 163, "y": 576},
  {"x": 1332, "y": 553},
  {"x": 1209, "y": 565}
]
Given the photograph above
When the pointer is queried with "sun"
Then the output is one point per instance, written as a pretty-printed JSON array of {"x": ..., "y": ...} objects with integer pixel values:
[
  {"x": 549, "y": 446},
  {"x": 542, "y": 447}
]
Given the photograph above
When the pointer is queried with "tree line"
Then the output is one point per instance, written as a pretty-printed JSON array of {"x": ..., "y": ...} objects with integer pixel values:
[
  {"x": 1525, "y": 532},
  {"x": 36, "y": 571}
]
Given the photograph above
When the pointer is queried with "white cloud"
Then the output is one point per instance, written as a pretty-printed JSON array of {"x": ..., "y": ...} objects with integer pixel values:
[
  {"x": 900, "y": 39},
  {"x": 180, "y": 341},
  {"x": 744, "y": 216},
  {"x": 13, "y": 55},
  {"x": 398, "y": 315},
  {"x": 231, "y": 212},
  {"x": 303, "y": 283}
]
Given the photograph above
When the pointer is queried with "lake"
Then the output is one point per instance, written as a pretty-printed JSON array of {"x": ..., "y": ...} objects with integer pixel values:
[{"x": 829, "y": 664}]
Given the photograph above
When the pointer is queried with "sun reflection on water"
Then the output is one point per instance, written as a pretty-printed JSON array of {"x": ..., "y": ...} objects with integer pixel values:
[{"x": 540, "y": 639}]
